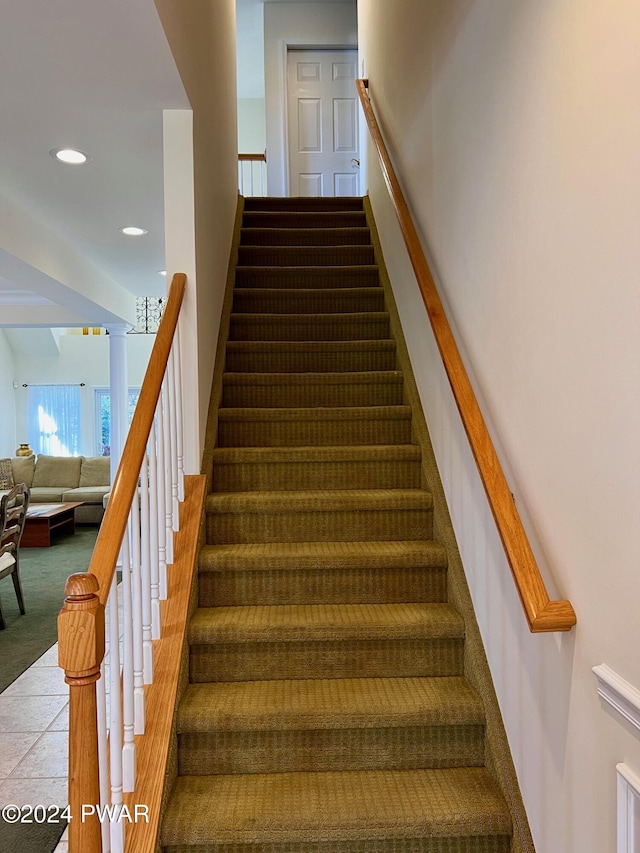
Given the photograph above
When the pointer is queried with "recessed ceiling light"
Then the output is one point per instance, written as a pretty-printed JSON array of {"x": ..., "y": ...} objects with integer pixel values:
[
  {"x": 162, "y": 272},
  {"x": 133, "y": 231},
  {"x": 70, "y": 156}
]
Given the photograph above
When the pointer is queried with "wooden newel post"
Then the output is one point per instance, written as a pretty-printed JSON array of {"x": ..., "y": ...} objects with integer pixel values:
[{"x": 80, "y": 652}]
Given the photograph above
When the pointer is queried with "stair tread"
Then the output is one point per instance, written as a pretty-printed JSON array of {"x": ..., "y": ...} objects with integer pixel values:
[
  {"x": 320, "y": 413},
  {"x": 374, "y": 345},
  {"x": 324, "y": 453},
  {"x": 348, "y": 317},
  {"x": 319, "y": 500},
  {"x": 329, "y": 704},
  {"x": 374, "y": 377},
  {"x": 326, "y": 555},
  {"x": 314, "y": 622},
  {"x": 334, "y": 806}
]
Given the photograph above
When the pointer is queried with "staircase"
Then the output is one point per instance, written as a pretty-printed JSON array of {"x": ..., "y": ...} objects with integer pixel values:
[{"x": 328, "y": 708}]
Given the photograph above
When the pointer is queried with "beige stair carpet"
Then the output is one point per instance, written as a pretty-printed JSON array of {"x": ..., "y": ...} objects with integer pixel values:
[{"x": 328, "y": 708}]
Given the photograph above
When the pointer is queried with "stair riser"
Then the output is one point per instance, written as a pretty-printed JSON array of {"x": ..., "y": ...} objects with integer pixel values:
[
  {"x": 305, "y": 237},
  {"x": 474, "y": 844},
  {"x": 322, "y": 586},
  {"x": 305, "y": 256},
  {"x": 307, "y": 277},
  {"x": 349, "y": 301},
  {"x": 254, "y": 327},
  {"x": 392, "y": 474},
  {"x": 308, "y": 394},
  {"x": 307, "y": 433},
  {"x": 300, "y": 204},
  {"x": 327, "y": 659},
  {"x": 265, "y": 219},
  {"x": 309, "y": 362},
  {"x": 402, "y": 748},
  {"x": 354, "y": 526}
]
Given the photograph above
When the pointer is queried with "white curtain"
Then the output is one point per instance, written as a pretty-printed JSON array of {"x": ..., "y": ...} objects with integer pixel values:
[{"x": 53, "y": 419}]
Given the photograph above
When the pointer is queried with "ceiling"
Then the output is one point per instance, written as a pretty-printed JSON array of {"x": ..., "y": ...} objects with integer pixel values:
[{"x": 96, "y": 76}]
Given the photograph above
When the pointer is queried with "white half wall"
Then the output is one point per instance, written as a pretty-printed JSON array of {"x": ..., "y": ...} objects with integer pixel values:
[
  {"x": 296, "y": 25},
  {"x": 515, "y": 131}
]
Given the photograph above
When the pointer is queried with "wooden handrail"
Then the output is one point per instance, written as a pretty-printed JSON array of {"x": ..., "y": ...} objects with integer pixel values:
[
  {"x": 542, "y": 613},
  {"x": 113, "y": 525},
  {"x": 245, "y": 157}
]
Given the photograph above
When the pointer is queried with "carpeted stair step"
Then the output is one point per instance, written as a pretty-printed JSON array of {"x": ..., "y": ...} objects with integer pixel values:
[
  {"x": 362, "y": 275},
  {"x": 310, "y": 301},
  {"x": 322, "y": 572},
  {"x": 318, "y": 516},
  {"x": 290, "y": 390},
  {"x": 304, "y": 219},
  {"x": 266, "y": 643},
  {"x": 310, "y": 356},
  {"x": 304, "y": 256},
  {"x": 300, "y": 204},
  {"x": 351, "y": 724},
  {"x": 376, "y": 811},
  {"x": 268, "y": 427},
  {"x": 304, "y": 327},
  {"x": 239, "y": 469},
  {"x": 305, "y": 236}
]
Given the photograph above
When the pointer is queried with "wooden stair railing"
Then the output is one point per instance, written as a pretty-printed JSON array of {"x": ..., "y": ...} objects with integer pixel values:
[
  {"x": 138, "y": 529},
  {"x": 542, "y": 613},
  {"x": 252, "y": 174}
]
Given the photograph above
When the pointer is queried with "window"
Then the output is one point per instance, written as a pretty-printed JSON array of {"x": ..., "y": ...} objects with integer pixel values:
[
  {"x": 53, "y": 419},
  {"x": 103, "y": 417}
]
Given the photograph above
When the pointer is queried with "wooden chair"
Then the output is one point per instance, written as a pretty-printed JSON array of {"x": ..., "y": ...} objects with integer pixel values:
[{"x": 13, "y": 512}]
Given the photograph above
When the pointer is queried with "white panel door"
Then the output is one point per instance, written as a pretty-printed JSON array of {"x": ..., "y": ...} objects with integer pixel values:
[{"x": 323, "y": 123}]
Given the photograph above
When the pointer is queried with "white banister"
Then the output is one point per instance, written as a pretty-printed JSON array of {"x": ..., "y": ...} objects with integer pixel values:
[{"x": 145, "y": 569}]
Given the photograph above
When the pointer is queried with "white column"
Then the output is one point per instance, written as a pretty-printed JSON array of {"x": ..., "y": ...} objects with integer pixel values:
[{"x": 118, "y": 390}]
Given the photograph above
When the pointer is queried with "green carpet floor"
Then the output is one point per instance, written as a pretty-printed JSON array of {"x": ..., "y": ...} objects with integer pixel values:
[
  {"x": 328, "y": 708},
  {"x": 43, "y": 572}
]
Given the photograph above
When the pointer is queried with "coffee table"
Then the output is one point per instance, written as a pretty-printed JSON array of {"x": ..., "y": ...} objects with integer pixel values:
[{"x": 44, "y": 519}]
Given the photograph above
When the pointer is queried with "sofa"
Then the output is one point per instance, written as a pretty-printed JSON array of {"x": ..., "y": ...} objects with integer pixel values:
[{"x": 56, "y": 479}]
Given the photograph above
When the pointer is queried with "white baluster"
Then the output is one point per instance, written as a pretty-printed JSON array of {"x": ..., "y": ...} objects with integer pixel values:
[
  {"x": 173, "y": 424},
  {"x": 154, "y": 544},
  {"x": 129, "y": 747},
  {"x": 168, "y": 509},
  {"x": 162, "y": 504},
  {"x": 179, "y": 414},
  {"x": 145, "y": 541},
  {"x": 103, "y": 760},
  {"x": 116, "y": 829},
  {"x": 136, "y": 596}
]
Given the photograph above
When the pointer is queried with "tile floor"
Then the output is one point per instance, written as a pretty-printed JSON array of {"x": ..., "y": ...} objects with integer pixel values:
[{"x": 34, "y": 727}]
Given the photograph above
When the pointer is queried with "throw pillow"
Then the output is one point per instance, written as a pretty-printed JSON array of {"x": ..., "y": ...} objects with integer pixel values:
[
  {"x": 23, "y": 468},
  {"x": 6, "y": 474}
]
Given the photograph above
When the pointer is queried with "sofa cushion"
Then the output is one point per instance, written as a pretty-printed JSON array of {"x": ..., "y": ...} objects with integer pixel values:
[
  {"x": 61, "y": 472},
  {"x": 23, "y": 468},
  {"x": 86, "y": 494},
  {"x": 6, "y": 474},
  {"x": 95, "y": 471},
  {"x": 47, "y": 494}
]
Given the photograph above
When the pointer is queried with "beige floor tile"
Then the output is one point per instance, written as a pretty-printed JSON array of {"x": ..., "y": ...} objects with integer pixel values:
[
  {"x": 49, "y": 658},
  {"x": 43, "y": 792},
  {"x": 32, "y": 714},
  {"x": 13, "y": 748},
  {"x": 61, "y": 722},
  {"x": 39, "y": 681},
  {"x": 47, "y": 758}
]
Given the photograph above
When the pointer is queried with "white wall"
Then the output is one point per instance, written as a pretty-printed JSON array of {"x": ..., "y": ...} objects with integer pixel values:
[
  {"x": 250, "y": 70},
  {"x": 83, "y": 358},
  {"x": 202, "y": 37},
  {"x": 516, "y": 132},
  {"x": 7, "y": 399},
  {"x": 296, "y": 24}
]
